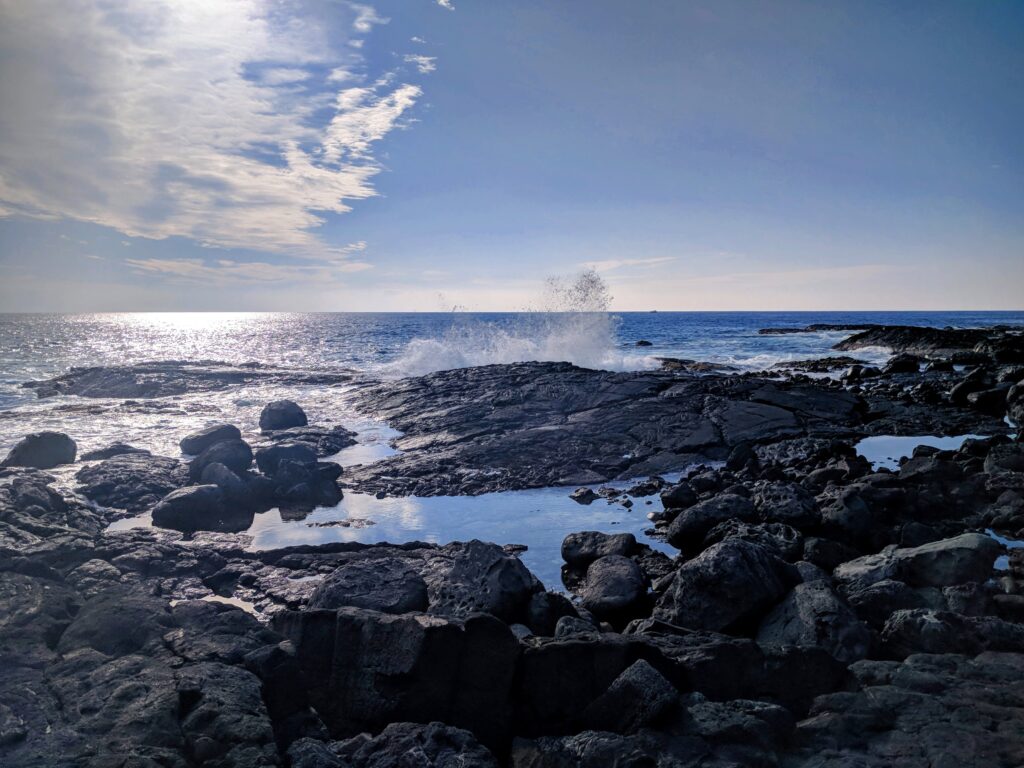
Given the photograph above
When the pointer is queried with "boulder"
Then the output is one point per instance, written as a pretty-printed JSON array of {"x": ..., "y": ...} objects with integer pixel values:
[
  {"x": 112, "y": 450},
  {"x": 964, "y": 558},
  {"x": 581, "y": 549},
  {"x": 779, "y": 539},
  {"x": 1005, "y": 458},
  {"x": 42, "y": 450},
  {"x": 787, "y": 503},
  {"x": 269, "y": 459},
  {"x": 236, "y": 455},
  {"x": 688, "y": 530},
  {"x": 386, "y": 584},
  {"x": 812, "y": 614},
  {"x": 282, "y": 414},
  {"x": 199, "y": 508},
  {"x": 679, "y": 496},
  {"x": 133, "y": 481},
  {"x": 729, "y": 584},
  {"x": 614, "y": 588},
  {"x": 198, "y": 442},
  {"x": 638, "y": 698},
  {"x": 364, "y": 669},
  {"x": 926, "y": 630}
]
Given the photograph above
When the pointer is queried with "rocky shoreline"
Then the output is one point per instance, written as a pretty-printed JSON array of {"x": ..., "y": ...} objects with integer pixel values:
[{"x": 818, "y": 613}]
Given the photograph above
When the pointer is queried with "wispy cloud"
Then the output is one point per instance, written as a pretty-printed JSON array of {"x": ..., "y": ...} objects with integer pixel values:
[
  {"x": 446, "y": 4},
  {"x": 424, "y": 64},
  {"x": 228, "y": 271},
  {"x": 213, "y": 121},
  {"x": 608, "y": 265}
]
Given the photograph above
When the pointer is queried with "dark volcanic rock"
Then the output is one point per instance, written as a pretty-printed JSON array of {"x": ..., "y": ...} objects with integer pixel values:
[
  {"x": 923, "y": 630},
  {"x": 500, "y": 427},
  {"x": 199, "y": 508},
  {"x": 688, "y": 530},
  {"x": 613, "y": 588},
  {"x": 269, "y": 459},
  {"x": 728, "y": 584},
  {"x": 928, "y": 342},
  {"x": 812, "y": 614},
  {"x": 434, "y": 745},
  {"x": 236, "y": 455},
  {"x": 282, "y": 414},
  {"x": 199, "y": 441},
  {"x": 386, "y": 584},
  {"x": 134, "y": 482},
  {"x": 581, "y": 549},
  {"x": 115, "y": 449},
  {"x": 42, "y": 450},
  {"x": 364, "y": 669},
  {"x": 323, "y": 441},
  {"x": 172, "y": 377}
]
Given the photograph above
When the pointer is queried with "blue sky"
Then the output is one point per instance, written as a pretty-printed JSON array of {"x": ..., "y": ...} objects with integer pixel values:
[{"x": 306, "y": 154}]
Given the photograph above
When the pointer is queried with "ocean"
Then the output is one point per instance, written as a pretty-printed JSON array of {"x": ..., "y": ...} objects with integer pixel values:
[{"x": 389, "y": 345}]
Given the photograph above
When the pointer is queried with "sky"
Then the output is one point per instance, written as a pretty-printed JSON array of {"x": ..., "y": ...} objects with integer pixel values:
[{"x": 428, "y": 154}]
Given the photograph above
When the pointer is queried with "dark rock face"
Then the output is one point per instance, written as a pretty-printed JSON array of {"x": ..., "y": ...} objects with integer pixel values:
[
  {"x": 133, "y": 482},
  {"x": 42, "y": 450},
  {"x": 812, "y": 614},
  {"x": 282, "y": 414},
  {"x": 434, "y": 745},
  {"x": 322, "y": 440},
  {"x": 364, "y": 669},
  {"x": 727, "y": 584},
  {"x": 199, "y": 441},
  {"x": 923, "y": 630}
]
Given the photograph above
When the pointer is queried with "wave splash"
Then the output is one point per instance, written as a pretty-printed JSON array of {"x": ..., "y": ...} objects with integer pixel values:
[{"x": 571, "y": 323}]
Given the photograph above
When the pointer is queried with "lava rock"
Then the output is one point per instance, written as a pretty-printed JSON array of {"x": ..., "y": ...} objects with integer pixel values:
[
  {"x": 236, "y": 455},
  {"x": 690, "y": 527},
  {"x": 386, "y": 584},
  {"x": 730, "y": 583},
  {"x": 42, "y": 450},
  {"x": 613, "y": 589},
  {"x": 198, "y": 442},
  {"x": 269, "y": 459},
  {"x": 581, "y": 549},
  {"x": 282, "y": 414},
  {"x": 812, "y": 614},
  {"x": 134, "y": 482},
  {"x": 199, "y": 508}
]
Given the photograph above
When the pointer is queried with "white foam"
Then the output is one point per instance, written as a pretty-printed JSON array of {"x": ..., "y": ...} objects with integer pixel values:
[{"x": 570, "y": 324}]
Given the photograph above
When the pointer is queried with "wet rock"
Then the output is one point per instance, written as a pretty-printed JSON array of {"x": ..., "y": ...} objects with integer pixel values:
[
  {"x": 581, "y": 549},
  {"x": 199, "y": 508},
  {"x": 199, "y": 441},
  {"x": 236, "y": 490},
  {"x": 236, "y": 455},
  {"x": 115, "y": 449},
  {"x": 173, "y": 377},
  {"x": 1005, "y": 458},
  {"x": 613, "y": 589},
  {"x": 282, "y": 414},
  {"x": 324, "y": 441},
  {"x": 729, "y": 584},
  {"x": 902, "y": 363},
  {"x": 812, "y": 614},
  {"x": 689, "y": 528},
  {"x": 584, "y": 496},
  {"x": 134, "y": 482},
  {"x": 269, "y": 459},
  {"x": 386, "y": 584},
  {"x": 876, "y": 602},
  {"x": 42, "y": 450}
]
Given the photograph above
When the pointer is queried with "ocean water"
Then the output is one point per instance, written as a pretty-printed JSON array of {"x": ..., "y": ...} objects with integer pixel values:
[{"x": 382, "y": 346}]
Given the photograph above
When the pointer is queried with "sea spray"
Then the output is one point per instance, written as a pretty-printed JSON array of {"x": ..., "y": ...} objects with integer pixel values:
[{"x": 569, "y": 322}]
